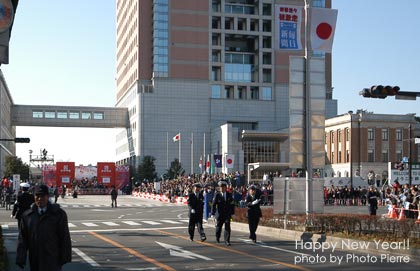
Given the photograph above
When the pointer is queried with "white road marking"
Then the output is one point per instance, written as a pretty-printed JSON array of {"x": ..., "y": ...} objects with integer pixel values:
[
  {"x": 151, "y": 222},
  {"x": 170, "y": 221},
  {"x": 71, "y": 225},
  {"x": 131, "y": 223},
  {"x": 261, "y": 244},
  {"x": 85, "y": 257},
  {"x": 90, "y": 224}
]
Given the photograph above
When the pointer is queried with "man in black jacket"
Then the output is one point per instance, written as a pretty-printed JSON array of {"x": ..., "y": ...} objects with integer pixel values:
[
  {"x": 195, "y": 212},
  {"x": 45, "y": 234},
  {"x": 223, "y": 208},
  {"x": 254, "y": 211},
  {"x": 23, "y": 202}
]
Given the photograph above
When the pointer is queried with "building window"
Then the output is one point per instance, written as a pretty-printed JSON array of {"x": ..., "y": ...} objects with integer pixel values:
[
  {"x": 98, "y": 115},
  {"x": 50, "y": 114},
  {"x": 385, "y": 158},
  {"x": 398, "y": 135},
  {"x": 74, "y": 115},
  {"x": 339, "y": 136},
  {"x": 332, "y": 157},
  {"x": 37, "y": 114},
  {"x": 326, "y": 137},
  {"x": 371, "y": 156},
  {"x": 86, "y": 115},
  {"x": 332, "y": 137},
  {"x": 255, "y": 93},
  {"x": 384, "y": 134},
  {"x": 347, "y": 156},
  {"x": 347, "y": 134},
  {"x": 339, "y": 156},
  {"x": 242, "y": 93},
  {"x": 267, "y": 93},
  {"x": 370, "y": 134},
  {"x": 398, "y": 156},
  {"x": 61, "y": 115},
  {"x": 228, "y": 92},
  {"x": 215, "y": 91}
]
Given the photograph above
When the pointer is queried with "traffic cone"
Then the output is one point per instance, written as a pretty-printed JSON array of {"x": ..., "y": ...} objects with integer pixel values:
[
  {"x": 393, "y": 212},
  {"x": 402, "y": 215},
  {"x": 389, "y": 211}
]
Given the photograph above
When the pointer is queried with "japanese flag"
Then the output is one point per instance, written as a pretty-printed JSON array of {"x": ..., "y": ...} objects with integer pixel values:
[
  {"x": 177, "y": 137},
  {"x": 323, "y": 22},
  {"x": 230, "y": 160}
]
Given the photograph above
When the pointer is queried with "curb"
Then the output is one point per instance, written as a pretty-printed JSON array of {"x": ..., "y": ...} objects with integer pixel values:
[{"x": 342, "y": 243}]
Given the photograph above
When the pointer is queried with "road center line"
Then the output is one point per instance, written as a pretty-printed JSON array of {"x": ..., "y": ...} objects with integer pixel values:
[
  {"x": 85, "y": 257},
  {"x": 239, "y": 252},
  {"x": 133, "y": 252}
]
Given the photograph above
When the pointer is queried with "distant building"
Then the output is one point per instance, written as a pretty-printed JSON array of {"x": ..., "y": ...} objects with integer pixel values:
[
  {"x": 362, "y": 143},
  {"x": 210, "y": 70}
]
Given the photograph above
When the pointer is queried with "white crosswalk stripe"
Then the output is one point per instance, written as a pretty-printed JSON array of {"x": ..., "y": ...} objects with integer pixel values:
[
  {"x": 152, "y": 222},
  {"x": 90, "y": 224},
  {"x": 170, "y": 221},
  {"x": 131, "y": 223},
  {"x": 71, "y": 225}
]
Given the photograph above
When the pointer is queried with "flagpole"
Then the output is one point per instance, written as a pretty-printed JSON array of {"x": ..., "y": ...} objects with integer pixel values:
[
  {"x": 179, "y": 148},
  {"x": 204, "y": 146},
  {"x": 167, "y": 150},
  {"x": 308, "y": 128},
  {"x": 192, "y": 151}
]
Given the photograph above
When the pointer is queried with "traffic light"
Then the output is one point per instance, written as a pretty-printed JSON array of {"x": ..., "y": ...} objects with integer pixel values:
[
  {"x": 380, "y": 91},
  {"x": 22, "y": 140}
]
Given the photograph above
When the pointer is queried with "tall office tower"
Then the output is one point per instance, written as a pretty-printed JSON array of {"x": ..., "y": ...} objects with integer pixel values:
[{"x": 210, "y": 71}]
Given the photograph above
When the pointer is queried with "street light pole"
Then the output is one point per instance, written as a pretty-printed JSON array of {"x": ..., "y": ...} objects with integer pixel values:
[{"x": 409, "y": 154}]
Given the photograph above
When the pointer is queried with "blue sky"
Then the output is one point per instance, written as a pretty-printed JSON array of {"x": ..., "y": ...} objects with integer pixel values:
[{"x": 63, "y": 53}]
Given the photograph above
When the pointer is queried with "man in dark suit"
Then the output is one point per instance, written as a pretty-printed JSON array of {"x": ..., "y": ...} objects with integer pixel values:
[
  {"x": 254, "y": 211},
  {"x": 195, "y": 212},
  {"x": 223, "y": 208}
]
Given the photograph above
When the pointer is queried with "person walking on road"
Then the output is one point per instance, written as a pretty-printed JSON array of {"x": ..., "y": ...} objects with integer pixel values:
[
  {"x": 254, "y": 211},
  {"x": 114, "y": 195},
  {"x": 56, "y": 194},
  {"x": 23, "y": 202},
  {"x": 44, "y": 233},
  {"x": 223, "y": 208},
  {"x": 195, "y": 212}
]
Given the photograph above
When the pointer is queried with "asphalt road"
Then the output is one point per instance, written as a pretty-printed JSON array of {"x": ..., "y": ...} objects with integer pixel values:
[{"x": 150, "y": 235}]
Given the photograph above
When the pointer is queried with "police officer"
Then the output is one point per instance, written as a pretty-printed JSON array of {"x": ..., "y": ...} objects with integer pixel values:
[
  {"x": 372, "y": 197},
  {"x": 23, "y": 202},
  {"x": 254, "y": 211},
  {"x": 223, "y": 208},
  {"x": 195, "y": 212}
]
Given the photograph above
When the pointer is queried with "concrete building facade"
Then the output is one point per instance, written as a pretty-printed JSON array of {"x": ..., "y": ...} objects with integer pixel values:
[{"x": 198, "y": 68}]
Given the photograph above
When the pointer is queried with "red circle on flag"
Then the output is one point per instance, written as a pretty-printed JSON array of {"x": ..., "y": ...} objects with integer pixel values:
[
  {"x": 324, "y": 30},
  {"x": 229, "y": 161}
]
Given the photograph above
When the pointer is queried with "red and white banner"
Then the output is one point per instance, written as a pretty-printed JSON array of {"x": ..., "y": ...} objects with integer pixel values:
[
  {"x": 229, "y": 160},
  {"x": 65, "y": 173},
  {"x": 122, "y": 176},
  {"x": 323, "y": 21},
  {"x": 106, "y": 173},
  {"x": 200, "y": 163},
  {"x": 177, "y": 137},
  {"x": 49, "y": 175}
]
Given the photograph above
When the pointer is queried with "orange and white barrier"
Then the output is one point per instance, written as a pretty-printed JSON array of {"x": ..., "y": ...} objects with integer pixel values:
[{"x": 159, "y": 197}]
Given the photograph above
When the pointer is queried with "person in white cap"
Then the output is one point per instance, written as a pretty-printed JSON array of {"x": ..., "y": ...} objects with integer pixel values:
[{"x": 23, "y": 202}]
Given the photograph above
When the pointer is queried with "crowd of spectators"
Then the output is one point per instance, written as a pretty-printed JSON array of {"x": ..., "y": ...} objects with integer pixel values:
[
  {"x": 182, "y": 186},
  {"x": 394, "y": 194}
]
